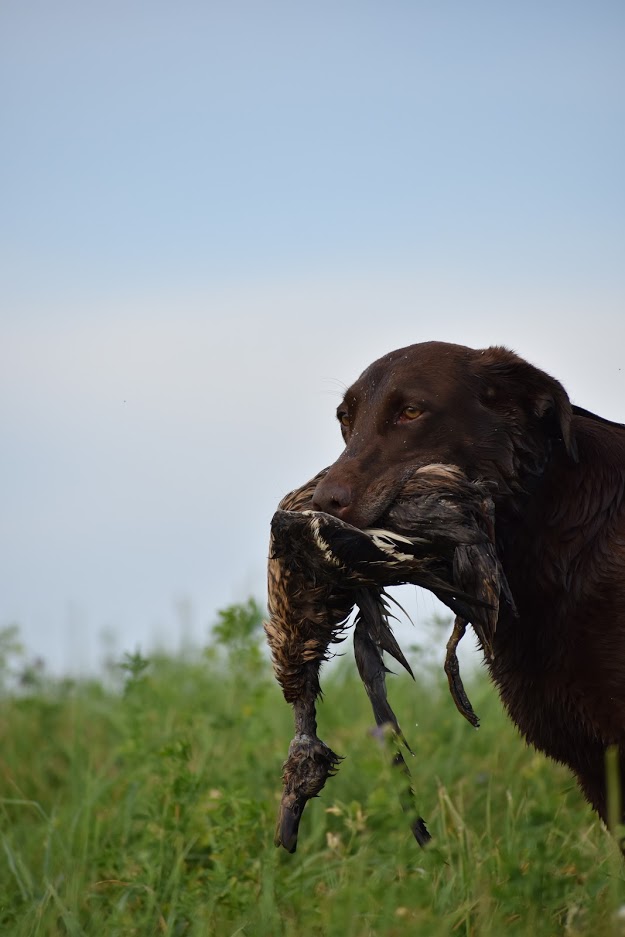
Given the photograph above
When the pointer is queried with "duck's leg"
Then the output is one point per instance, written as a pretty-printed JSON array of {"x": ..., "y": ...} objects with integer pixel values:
[
  {"x": 309, "y": 764},
  {"x": 452, "y": 669}
]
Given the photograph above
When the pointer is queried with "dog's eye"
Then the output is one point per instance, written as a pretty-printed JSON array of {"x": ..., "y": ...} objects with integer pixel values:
[
  {"x": 410, "y": 413},
  {"x": 343, "y": 418}
]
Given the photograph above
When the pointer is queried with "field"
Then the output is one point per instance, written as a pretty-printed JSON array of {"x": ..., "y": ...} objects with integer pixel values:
[{"x": 144, "y": 804}]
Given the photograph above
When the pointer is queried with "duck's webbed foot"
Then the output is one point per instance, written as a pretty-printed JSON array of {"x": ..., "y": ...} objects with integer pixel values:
[{"x": 309, "y": 764}]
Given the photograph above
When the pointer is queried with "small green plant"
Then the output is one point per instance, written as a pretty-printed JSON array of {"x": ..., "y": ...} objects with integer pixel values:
[
  {"x": 239, "y": 627},
  {"x": 133, "y": 667},
  {"x": 238, "y": 633},
  {"x": 11, "y": 652}
]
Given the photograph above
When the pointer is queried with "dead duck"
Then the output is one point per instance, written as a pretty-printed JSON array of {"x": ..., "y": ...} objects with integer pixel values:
[{"x": 320, "y": 567}]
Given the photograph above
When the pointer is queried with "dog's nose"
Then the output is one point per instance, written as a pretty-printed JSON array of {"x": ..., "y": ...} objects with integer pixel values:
[{"x": 332, "y": 497}]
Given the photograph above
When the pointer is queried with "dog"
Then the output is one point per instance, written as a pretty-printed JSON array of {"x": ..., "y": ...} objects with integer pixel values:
[{"x": 557, "y": 474}]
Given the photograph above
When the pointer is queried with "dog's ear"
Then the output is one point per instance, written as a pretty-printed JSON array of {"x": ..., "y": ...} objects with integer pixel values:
[{"x": 509, "y": 384}]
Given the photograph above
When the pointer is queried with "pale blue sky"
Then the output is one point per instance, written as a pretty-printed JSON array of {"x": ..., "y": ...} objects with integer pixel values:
[{"x": 213, "y": 214}]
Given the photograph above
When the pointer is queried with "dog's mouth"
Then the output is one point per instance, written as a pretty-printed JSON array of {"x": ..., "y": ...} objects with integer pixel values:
[
  {"x": 372, "y": 505},
  {"x": 372, "y": 502},
  {"x": 377, "y": 506}
]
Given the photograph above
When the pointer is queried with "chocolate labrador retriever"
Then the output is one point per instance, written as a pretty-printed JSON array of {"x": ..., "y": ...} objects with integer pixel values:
[{"x": 558, "y": 476}]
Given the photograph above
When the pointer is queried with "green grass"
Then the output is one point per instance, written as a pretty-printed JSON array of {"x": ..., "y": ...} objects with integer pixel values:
[{"x": 148, "y": 808}]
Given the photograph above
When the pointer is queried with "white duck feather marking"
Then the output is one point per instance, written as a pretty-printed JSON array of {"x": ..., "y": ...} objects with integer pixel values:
[
  {"x": 322, "y": 544},
  {"x": 385, "y": 540},
  {"x": 387, "y": 543}
]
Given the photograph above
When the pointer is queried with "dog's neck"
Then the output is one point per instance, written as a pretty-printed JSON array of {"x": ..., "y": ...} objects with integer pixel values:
[{"x": 580, "y": 513}]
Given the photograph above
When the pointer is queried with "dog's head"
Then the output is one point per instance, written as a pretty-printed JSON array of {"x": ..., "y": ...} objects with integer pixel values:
[{"x": 489, "y": 412}]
